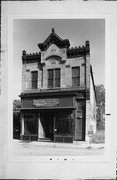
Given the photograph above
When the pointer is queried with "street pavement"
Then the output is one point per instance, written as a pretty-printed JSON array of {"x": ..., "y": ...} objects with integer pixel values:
[{"x": 36, "y": 148}]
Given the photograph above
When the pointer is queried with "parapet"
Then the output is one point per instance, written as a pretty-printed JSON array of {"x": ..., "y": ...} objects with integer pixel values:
[
  {"x": 79, "y": 51},
  {"x": 30, "y": 58}
]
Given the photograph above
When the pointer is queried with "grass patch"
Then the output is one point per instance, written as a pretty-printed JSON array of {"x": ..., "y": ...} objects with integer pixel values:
[{"x": 99, "y": 137}]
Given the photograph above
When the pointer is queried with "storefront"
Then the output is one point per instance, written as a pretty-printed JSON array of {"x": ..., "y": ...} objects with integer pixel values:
[
  {"x": 56, "y": 119},
  {"x": 58, "y": 104}
]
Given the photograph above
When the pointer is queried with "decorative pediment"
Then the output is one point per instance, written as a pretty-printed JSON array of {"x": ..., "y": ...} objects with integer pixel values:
[
  {"x": 53, "y": 38},
  {"x": 53, "y": 52},
  {"x": 56, "y": 48}
]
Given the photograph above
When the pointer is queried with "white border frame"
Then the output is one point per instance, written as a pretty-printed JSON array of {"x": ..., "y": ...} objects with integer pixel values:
[
  {"x": 106, "y": 157},
  {"x": 11, "y": 168}
]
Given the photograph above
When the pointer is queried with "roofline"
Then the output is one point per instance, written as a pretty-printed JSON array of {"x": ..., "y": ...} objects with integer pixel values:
[{"x": 53, "y": 32}]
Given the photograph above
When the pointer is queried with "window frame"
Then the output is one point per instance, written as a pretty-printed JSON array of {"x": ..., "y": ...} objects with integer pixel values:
[
  {"x": 50, "y": 79},
  {"x": 34, "y": 81},
  {"x": 77, "y": 77},
  {"x": 54, "y": 78}
]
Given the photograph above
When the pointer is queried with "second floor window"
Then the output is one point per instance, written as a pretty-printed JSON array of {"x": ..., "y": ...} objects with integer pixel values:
[
  {"x": 34, "y": 79},
  {"x": 76, "y": 76},
  {"x": 53, "y": 78}
]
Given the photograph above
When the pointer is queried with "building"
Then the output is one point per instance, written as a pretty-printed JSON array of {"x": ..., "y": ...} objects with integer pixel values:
[{"x": 58, "y": 100}]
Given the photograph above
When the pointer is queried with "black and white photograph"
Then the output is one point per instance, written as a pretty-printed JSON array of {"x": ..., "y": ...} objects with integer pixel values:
[
  {"x": 59, "y": 86},
  {"x": 57, "y": 90}
]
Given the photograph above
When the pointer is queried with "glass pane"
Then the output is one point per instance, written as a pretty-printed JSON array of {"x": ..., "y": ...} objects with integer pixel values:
[
  {"x": 34, "y": 84},
  {"x": 30, "y": 124},
  {"x": 50, "y": 74},
  {"x": 34, "y": 76},
  {"x": 57, "y": 82},
  {"x": 75, "y": 81},
  {"x": 57, "y": 73},
  {"x": 50, "y": 82},
  {"x": 34, "y": 79},
  {"x": 75, "y": 71}
]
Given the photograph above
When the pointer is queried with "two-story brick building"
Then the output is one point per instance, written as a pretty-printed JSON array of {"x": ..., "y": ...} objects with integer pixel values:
[{"x": 58, "y": 93}]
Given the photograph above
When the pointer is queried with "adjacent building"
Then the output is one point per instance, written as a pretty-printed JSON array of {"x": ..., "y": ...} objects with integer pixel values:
[{"x": 58, "y": 100}]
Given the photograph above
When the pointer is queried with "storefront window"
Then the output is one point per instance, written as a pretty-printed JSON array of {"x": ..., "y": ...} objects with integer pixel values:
[{"x": 30, "y": 123}]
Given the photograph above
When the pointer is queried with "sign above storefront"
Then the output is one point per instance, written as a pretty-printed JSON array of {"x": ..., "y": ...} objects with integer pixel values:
[
  {"x": 60, "y": 102},
  {"x": 45, "y": 102}
]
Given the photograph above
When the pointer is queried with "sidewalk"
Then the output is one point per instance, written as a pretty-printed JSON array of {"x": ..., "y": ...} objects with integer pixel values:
[
  {"x": 50, "y": 148},
  {"x": 80, "y": 144},
  {"x": 67, "y": 145}
]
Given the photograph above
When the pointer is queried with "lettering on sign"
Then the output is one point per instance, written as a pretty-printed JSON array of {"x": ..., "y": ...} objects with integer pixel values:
[{"x": 45, "y": 102}]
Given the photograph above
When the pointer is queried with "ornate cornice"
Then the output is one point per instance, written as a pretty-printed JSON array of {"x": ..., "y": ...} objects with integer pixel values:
[
  {"x": 56, "y": 92},
  {"x": 30, "y": 58},
  {"x": 79, "y": 51}
]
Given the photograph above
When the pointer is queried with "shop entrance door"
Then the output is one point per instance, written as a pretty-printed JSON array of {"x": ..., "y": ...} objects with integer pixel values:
[
  {"x": 56, "y": 126},
  {"x": 46, "y": 126},
  {"x": 63, "y": 131}
]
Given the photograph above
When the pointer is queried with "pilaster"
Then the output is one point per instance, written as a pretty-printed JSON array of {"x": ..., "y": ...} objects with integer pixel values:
[{"x": 87, "y": 120}]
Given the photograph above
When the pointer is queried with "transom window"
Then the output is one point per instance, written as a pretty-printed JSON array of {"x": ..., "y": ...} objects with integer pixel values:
[
  {"x": 53, "y": 78},
  {"x": 75, "y": 76}
]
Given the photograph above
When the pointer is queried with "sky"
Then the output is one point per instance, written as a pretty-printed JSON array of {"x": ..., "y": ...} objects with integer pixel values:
[{"x": 27, "y": 33}]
